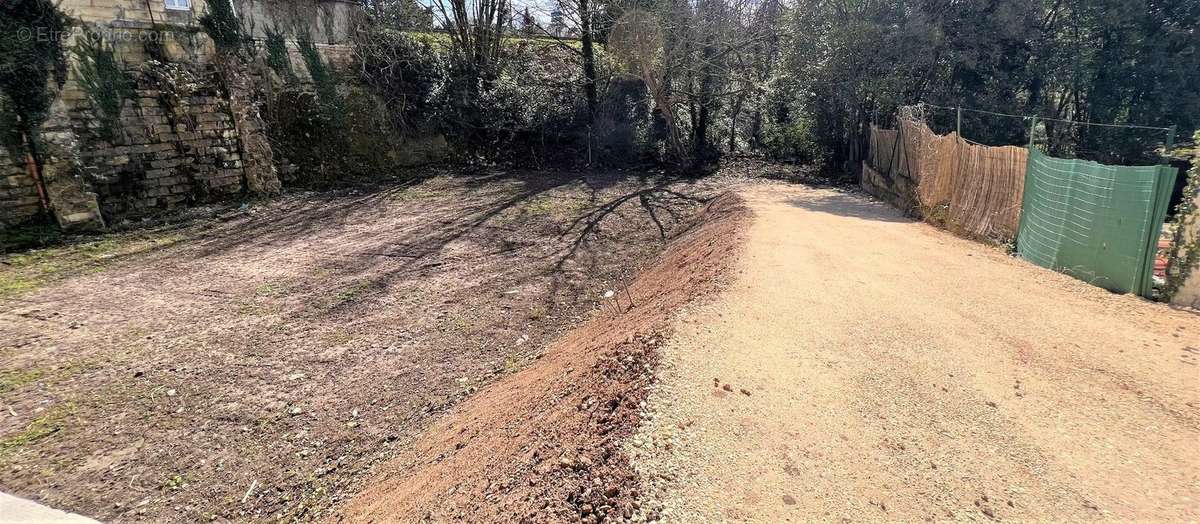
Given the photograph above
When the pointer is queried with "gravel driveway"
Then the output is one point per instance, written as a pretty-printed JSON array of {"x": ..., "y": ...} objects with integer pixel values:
[{"x": 867, "y": 367}]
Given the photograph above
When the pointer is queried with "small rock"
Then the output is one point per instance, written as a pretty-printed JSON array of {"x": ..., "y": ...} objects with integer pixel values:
[
  {"x": 727, "y": 387},
  {"x": 295, "y": 410},
  {"x": 745, "y": 392},
  {"x": 170, "y": 392},
  {"x": 787, "y": 499}
]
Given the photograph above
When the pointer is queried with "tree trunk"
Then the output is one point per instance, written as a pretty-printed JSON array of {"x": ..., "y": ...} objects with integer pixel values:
[
  {"x": 706, "y": 99},
  {"x": 737, "y": 108},
  {"x": 589, "y": 58}
]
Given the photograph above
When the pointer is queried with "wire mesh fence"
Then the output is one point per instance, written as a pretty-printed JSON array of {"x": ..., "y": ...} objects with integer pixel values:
[{"x": 1096, "y": 222}]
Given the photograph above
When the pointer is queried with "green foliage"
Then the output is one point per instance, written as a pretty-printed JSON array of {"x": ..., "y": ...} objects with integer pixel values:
[
  {"x": 323, "y": 77},
  {"x": 223, "y": 26},
  {"x": 31, "y": 53},
  {"x": 1185, "y": 256},
  {"x": 405, "y": 70},
  {"x": 531, "y": 113},
  {"x": 1110, "y": 61},
  {"x": 101, "y": 77},
  {"x": 277, "y": 56},
  {"x": 330, "y": 137},
  {"x": 794, "y": 141},
  {"x": 527, "y": 109},
  {"x": 407, "y": 14}
]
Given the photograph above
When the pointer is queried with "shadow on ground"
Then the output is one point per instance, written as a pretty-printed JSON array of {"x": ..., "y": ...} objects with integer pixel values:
[
  {"x": 848, "y": 205},
  {"x": 259, "y": 364}
]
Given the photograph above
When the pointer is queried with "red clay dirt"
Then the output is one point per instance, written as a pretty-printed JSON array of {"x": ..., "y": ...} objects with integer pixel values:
[{"x": 545, "y": 444}]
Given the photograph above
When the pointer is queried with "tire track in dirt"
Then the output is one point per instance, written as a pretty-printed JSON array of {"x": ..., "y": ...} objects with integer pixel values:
[{"x": 867, "y": 367}]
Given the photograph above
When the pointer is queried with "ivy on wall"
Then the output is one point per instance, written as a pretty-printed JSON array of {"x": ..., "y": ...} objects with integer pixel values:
[
  {"x": 31, "y": 53},
  {"x": 223, "y": 26},
  {"x": 323, "y": 78},
  {"x": 277, "y": 55},
  {"x": 101, "y": 77}
]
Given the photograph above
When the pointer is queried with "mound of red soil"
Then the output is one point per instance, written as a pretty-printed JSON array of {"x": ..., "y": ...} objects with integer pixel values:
[{"x": 544, "y": 444}]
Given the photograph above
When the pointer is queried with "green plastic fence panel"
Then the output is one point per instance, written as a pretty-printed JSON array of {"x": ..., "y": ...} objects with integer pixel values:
[{"x": 1095, "y": 222}]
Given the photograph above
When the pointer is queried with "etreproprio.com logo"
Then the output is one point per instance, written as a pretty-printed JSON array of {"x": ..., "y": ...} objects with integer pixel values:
[{"x": 107, "y": 34}]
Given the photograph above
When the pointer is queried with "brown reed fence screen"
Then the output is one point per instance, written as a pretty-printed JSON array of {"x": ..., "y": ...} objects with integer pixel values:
[{"x": 971, "y": 189}]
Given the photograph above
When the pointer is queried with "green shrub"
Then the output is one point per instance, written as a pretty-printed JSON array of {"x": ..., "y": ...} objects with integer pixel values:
[
  {"x": 532, "y": 113},
  {"x": 405, "y": 71},
  {"x": 791, "y": 142}
]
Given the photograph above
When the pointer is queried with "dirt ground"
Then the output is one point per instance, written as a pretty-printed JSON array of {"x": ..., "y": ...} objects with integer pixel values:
[
  {"x": 864, "y": 367},
  {"x": 438, "y": 351},
  {"x": 258, "y": 364},
  {"x": 545, "y": 444}
]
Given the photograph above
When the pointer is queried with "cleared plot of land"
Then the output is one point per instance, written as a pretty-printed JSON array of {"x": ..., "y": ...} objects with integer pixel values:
[
  {"x": 866, "y": 367},
  {"x": 256, "y": 364}
]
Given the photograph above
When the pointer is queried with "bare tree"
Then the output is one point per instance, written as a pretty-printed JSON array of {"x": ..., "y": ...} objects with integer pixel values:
[
  {"x": 476, "y": 29},
  {"x": 637, "y": 38}
]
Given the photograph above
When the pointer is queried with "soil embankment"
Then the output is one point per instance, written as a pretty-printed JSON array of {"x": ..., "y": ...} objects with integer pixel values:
[{"x": 546, "y": 443}]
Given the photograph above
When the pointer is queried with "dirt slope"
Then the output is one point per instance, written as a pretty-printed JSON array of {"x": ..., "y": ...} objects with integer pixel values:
[
  {"x": 894, "y": 372},
  {"x": 544, "y": 444}
]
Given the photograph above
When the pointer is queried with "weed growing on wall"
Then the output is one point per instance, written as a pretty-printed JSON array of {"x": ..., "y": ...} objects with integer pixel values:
[
  {"x": 101, "y": 77},
  {"x": 333, "y": 132},
  {"x": 27, "y": 65}
]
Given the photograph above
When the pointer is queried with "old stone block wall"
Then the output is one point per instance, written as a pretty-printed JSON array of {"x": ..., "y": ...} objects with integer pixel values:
[
  {"x": 18, "y": 195},
  {"x": 189, "y": 132},
  {"x": 167, "y": 153},
  {"x": 326, "y": 21}
]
